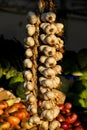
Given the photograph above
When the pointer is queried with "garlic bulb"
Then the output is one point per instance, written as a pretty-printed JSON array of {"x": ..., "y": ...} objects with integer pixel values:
[
  {"x": 42, "y": 37},
  {"x": 43, "y": 90},
  {"x": 28, "y": 53},
  {"x": 50, "y": 29},
  {"x": 27, "y": 63},
  {"x": 42, "y": 59},
  {"x": 47, "y": 115},
  {"x": 29, "y": 42},
  {"x": 49, "y": 95},
  {"x": 44, "y": 125},
  {"x": 32, "y": 109},
  {"x": 31, "y": 98},
  {"x": 48, "y": 73},
  {"x": 49, "y": 17},
  {"x": 60, "y": 28},
  {"x": 49, "y": 51},
  {"x": 50, "y": 62},
  {"x": 27, "y": 75},
  {"x": 41, "y": 68},
  {"x": 58, "y": 69},
  {"x": 30, "y": 29},
  {"x": 47, "y": 105},
  {"x": 44, "y": 25},
  {"x": 34, "y": 120},
  {"x": 54, "y": 124},
  {"x": 58, "y": 56},
  {"x": 51, "y": 39},
  {"x": 56, "y": 111},
  {"x": 29, "y": 86},
  {"x": 32, "y": 18}
]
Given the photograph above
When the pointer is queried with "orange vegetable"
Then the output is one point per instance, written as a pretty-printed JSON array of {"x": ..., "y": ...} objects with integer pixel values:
[
  {"x": 21, "y": 114},
  {"x": 3, "y": 105},
  {"x": 1, "y": 112},
  {"x": 19, "y": 105},
  {"x": 13, "y": 120}
]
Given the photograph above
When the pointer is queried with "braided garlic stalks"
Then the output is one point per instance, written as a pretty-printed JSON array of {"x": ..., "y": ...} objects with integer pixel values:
[{"x": 43, "y": 47}]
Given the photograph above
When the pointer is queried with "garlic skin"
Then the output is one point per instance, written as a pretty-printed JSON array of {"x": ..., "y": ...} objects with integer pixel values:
[
  {"x": 54, "y": 124},
  {"x": 30, "y": 29},
  {"x": 27, "y": 63},
  {"x": 28, "y": 53},
  {"x": 27, "y": 75},
  {"x": 29, "y": 42},
  {"x": 31, "y": 17},
  {"x": 50, "y": 29}
]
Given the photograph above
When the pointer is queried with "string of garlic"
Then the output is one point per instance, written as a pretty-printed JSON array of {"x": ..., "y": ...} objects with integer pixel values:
[{"x": 42, "y": 52}]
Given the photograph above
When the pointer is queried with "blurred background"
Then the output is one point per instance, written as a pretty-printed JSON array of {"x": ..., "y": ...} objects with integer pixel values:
[{"x": 72, "y": 12}]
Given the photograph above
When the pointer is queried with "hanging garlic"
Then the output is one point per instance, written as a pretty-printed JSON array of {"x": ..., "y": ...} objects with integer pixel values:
[
  {"x": 44, "y": 25},
  {"x": 49, "y": 17},
  {"x": 43, "y": 89},
  {"x": 48, "y": 73},
  {"x": 27, "y": 63},
  {"x": 47, "y": 105},
  {"x": 60, "y": 28},
  {"x": 27, "y": 75},
  {"x": 51, "y": 39},
  {"x": 56, "y": 111},
  {"x": 34, "y": 120},
  {"x": 58, "y": 56},
  {"x": 30, "y": 29},
  {"x": 28, "y": 53},
  {"x": 54, "y": 124},
  {"x": 42, "y": 37},
  {"x": 29, "y": 86},
  {"x": 29, "y": 42},
  {"x": 47, "y": 115},
  {"x": 31, "y": 98},
  {"x": 44, "y": 125},
  {"x": 58, "y": 69},
  {"x": 41, "y": 68},
  {"x": 32, "y": 18},
  {"x": 49, "y": 95},
  {"x": 42, "y": 59},
  {"x": 50, "y": 29},
  {"x": 50, "y": 62},
  {"x": 49, "y": 51},
  {"x": 32, "y": 109}
]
